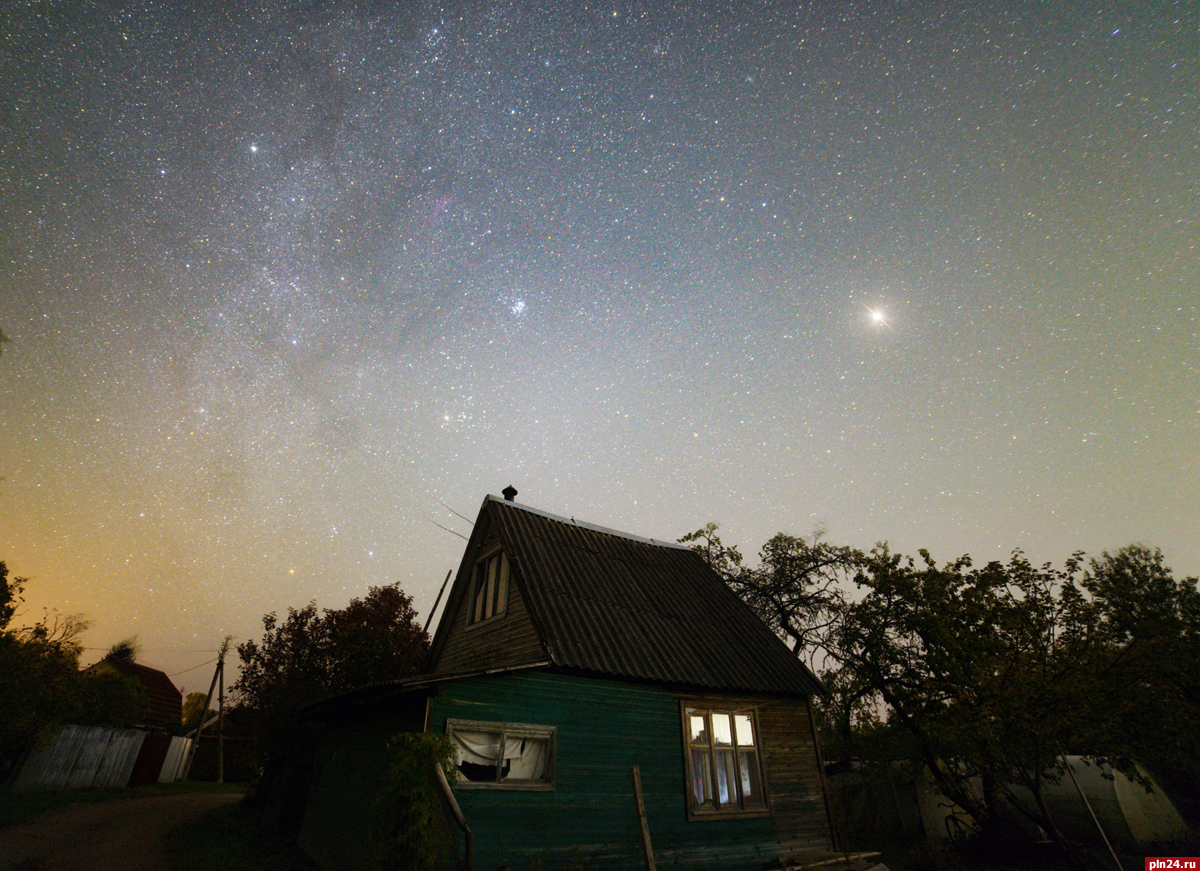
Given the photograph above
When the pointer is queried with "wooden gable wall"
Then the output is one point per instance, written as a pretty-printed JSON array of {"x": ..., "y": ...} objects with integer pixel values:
[{"x": 497, "y": 643}]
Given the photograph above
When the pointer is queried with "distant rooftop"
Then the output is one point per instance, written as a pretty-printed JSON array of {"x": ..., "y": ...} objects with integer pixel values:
[{"x": 166, "y": 701}]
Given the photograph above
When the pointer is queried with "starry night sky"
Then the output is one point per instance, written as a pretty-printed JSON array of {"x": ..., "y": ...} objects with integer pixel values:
[{"x": 280, "y": 280}]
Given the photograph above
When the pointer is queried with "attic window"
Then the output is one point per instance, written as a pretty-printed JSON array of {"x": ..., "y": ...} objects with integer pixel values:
[
  {"x": 503, "y": 755},
  {"x": 489, "y": 588},
  {"x": 724, "y": 771}
]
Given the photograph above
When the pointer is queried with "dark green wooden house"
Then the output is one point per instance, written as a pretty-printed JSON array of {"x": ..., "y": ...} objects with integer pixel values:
[{"x": 567, "y": 655}]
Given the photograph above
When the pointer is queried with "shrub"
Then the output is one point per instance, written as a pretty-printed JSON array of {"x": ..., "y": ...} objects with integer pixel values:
[{"x": 412, "y": 832}]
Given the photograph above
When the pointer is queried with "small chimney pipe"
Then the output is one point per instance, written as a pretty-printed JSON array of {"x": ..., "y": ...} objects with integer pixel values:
[{"x": 509, "y": 493}]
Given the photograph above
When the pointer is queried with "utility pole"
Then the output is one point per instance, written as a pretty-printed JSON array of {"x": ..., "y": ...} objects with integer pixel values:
[
  {"x": 218, "y": 673},
  {"x": 221, "y": 712},
  {"x": 429, "y": 619}
]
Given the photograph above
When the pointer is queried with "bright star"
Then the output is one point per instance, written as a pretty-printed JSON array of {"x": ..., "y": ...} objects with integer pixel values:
[{"x": 877, "y": 316}]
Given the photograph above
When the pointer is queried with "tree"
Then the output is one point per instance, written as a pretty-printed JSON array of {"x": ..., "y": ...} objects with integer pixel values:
[
  {"x": 949, "y": 651},
  {"x": 308, "y": 656},
  {"x": 988, "y": 675},
  {"x": 36, "y": 678},
  {"x": 851, "y": 722},
  {"x": 10, "y": 596},
  {"x": 797, "y": 588},
  {"x": 99, "y": 698},
  {"x": 1152, "y": 621},
  {"x": 125, "y": 649},
  {"x": 194, "y": 712},
  {"x": 725, "y": 561},
  {"x": 997, "y": 673},
  {"x": 41, "y": 686},
  {"x": 411, "y": 831},
  {"x": 38, "y": 667}
]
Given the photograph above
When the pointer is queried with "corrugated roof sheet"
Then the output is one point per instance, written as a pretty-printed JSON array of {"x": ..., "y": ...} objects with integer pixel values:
[{"x": 626, "y": 606}]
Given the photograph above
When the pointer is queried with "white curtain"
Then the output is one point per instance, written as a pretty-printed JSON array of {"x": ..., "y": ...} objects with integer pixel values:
[
  {"x": 480, "y": 748},
  {"x": 526, "y": 758}
]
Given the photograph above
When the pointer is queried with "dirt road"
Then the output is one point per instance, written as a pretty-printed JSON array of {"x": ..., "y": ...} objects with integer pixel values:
[{"x": 120, "y": 835}]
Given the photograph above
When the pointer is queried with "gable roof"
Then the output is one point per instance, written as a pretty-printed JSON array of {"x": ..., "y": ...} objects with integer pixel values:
[
  {"x": 615, "y": 604},
  {"x": 166, "y": 701}
]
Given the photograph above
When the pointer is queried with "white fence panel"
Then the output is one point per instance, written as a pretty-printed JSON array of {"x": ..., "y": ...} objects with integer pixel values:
[
  {"x": 82, "y": 756},
  {"x": 176, "y": 753},
  {"x": 121, "y": 753}
]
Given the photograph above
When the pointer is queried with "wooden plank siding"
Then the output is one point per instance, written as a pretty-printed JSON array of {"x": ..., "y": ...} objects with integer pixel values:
[
  {"x": 797, "y": 792},
  {"x": 604, "y": 728},
  {"x": 497, "y": 643}
]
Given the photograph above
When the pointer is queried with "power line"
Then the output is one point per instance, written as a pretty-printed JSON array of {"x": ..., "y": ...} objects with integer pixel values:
[
  {"x": 452, "y": 511},
  {"x": 448, "y": 529},
  {"x": 193, "y": 668},
  {"x": 158, "y": 649}
]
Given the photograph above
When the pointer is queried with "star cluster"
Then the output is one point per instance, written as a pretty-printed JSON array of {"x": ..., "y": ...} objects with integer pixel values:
[{"x": 283, "y": 280}]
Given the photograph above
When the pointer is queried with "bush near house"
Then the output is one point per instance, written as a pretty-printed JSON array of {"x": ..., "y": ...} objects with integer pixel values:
[
  {"x": 310, "y": 655},
  {"x": 305, "y": 657}
]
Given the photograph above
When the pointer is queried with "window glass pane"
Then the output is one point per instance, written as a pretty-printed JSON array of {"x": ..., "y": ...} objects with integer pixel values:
[
  {"x": 726, "y": 774},
  {"x": 701, "y": 778},
  {"x": 492, "y": 585},
  {"x": 726, "y": 778},
  {"x": 526, "y": 759},
  {"x": 476, "y": 754},
  {"x": 751, "y": 789},
  {"x": 745, "y": 732},
  {"x": 722, "y": 734},
  {"x": 480, "y": 593},
  {"x": 502, "y": 594}
]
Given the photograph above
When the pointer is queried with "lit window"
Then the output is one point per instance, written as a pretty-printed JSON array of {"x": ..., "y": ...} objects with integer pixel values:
[
  {"x": 489, "y": 588},
  {"x": 723, "y": 764},
  {"x": 509, "y": 755}
]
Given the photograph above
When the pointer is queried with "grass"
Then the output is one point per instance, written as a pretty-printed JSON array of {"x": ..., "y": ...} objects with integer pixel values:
[
  {"x": 17, "y": 806},
  {"x": 231, "y": 839}
]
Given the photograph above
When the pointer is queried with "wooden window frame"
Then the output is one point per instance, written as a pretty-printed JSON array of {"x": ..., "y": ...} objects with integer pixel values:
[
  {"x": 717, "y": 812},
  {"x": 514, "y": 730},
  {"x": 495, "y": 605}
]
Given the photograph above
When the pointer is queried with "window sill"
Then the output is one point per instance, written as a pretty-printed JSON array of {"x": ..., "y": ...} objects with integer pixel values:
[
  {"x": 486, "y": 621},
  {"x": 695, "y": 816},
  {"x": 505, "y": 787}
]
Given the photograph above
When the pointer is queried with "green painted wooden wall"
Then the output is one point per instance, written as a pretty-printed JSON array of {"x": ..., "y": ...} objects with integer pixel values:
[{"x": 590, "y": 819}]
